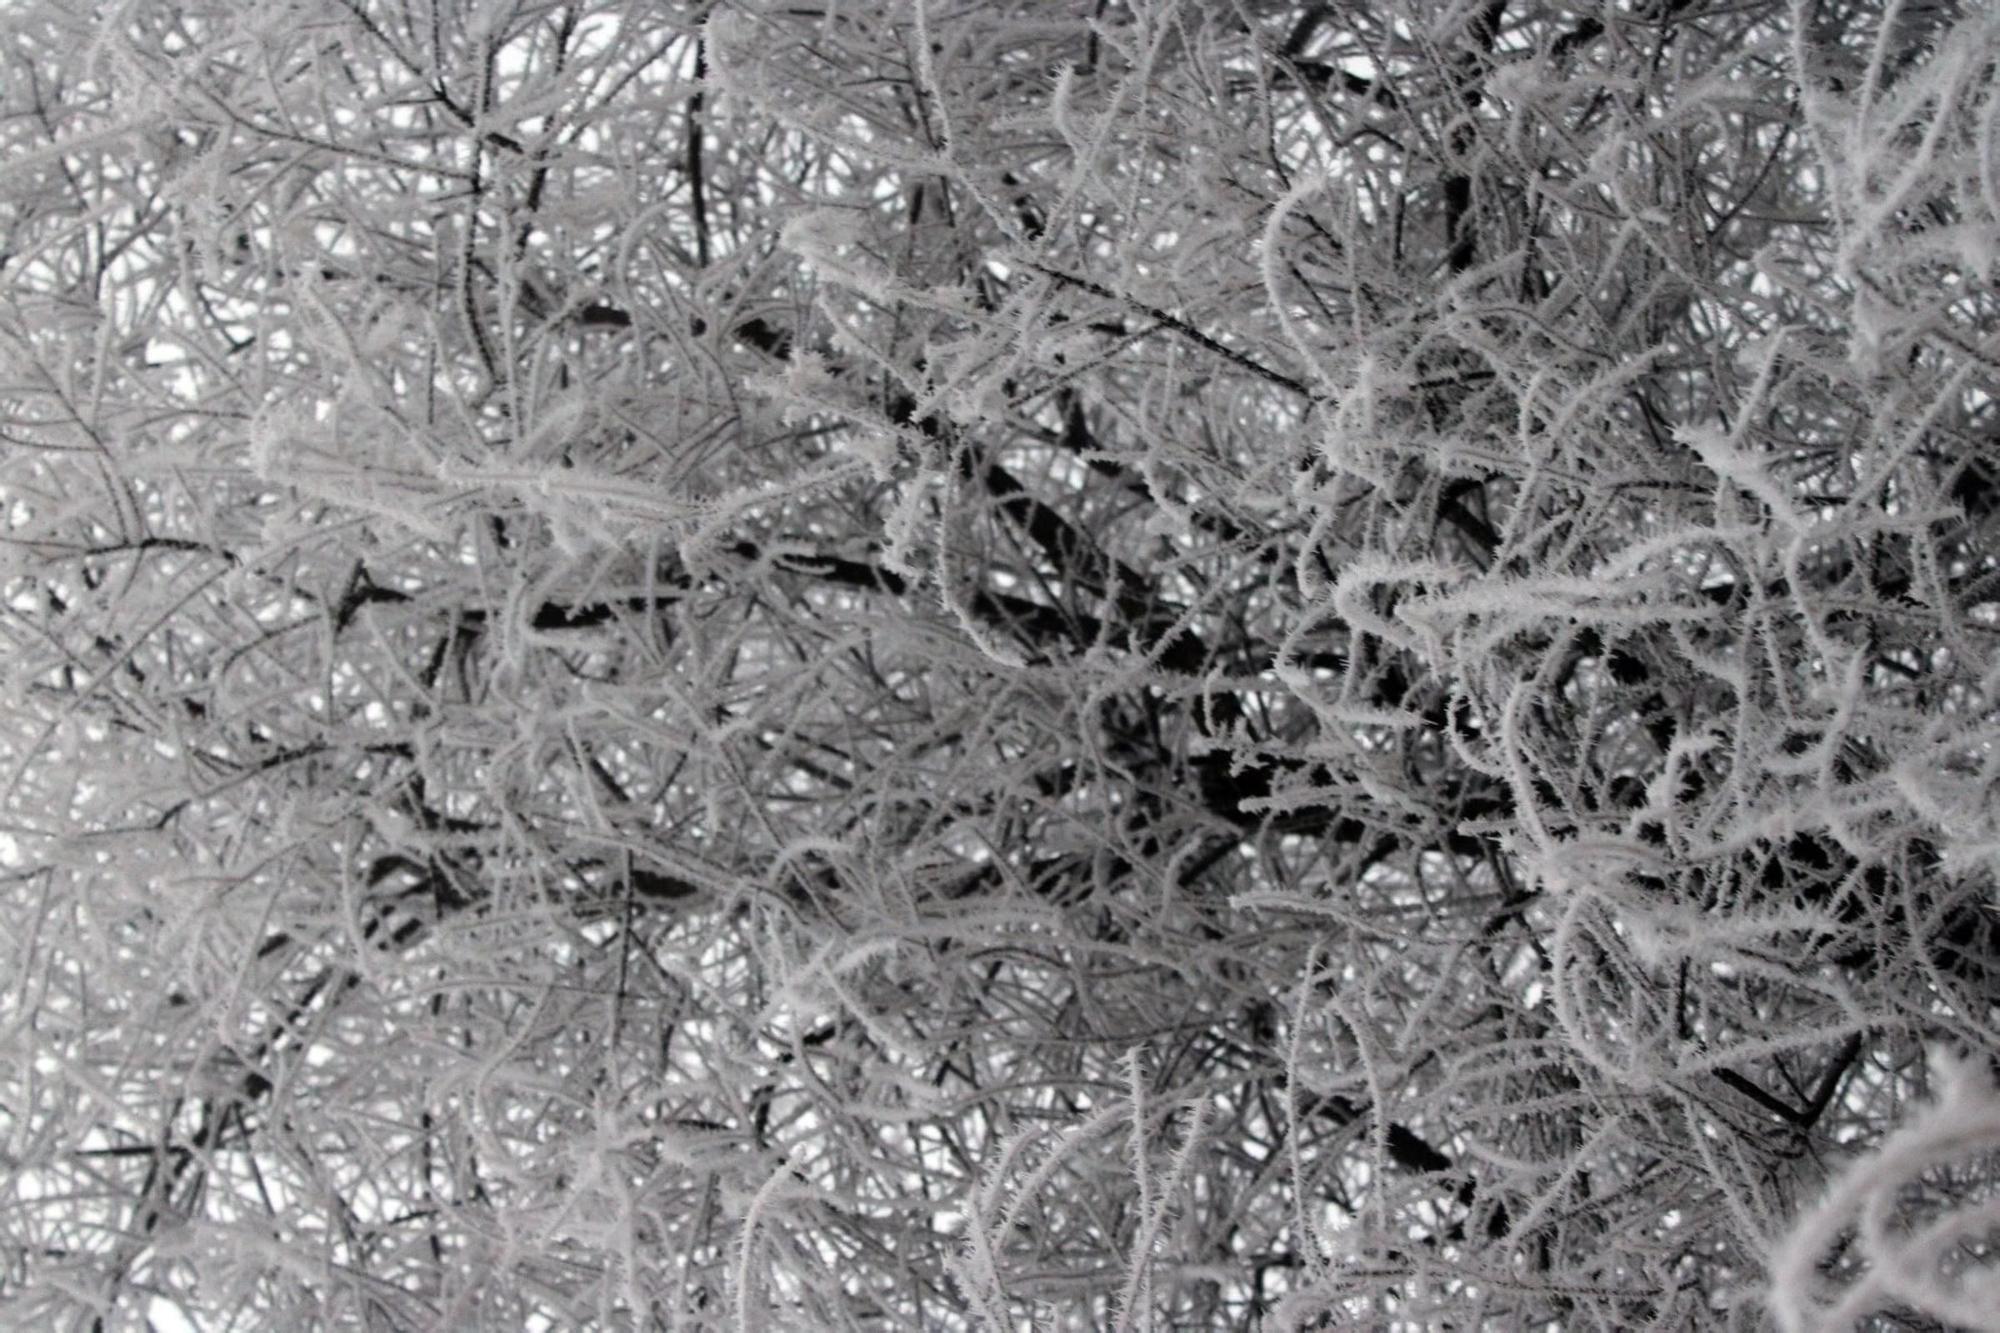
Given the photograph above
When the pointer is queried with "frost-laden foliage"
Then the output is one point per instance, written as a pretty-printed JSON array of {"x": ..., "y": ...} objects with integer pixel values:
[
  {"x": 1062, "y": 662},
  {"x": 1906, "y": 1234}
]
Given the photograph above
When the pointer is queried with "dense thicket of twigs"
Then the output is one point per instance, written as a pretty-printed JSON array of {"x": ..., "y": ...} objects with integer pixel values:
[{"x": 938, "y": 662}]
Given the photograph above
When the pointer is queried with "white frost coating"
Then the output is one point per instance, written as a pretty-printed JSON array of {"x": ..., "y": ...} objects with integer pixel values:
[
  {"x": 1510, "y": 742},
  {"x": 1744, "y": 470},
  {"x": 1909, "y": 1264},
  {"x": 1271, "y": 268},
  {"x": 1358, "y": 581}
]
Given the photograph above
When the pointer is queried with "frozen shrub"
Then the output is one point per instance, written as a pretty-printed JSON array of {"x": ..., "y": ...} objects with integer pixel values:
[{"x": 1078, "y": 663}]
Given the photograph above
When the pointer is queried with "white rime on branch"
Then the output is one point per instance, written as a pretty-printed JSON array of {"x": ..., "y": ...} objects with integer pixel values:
[
  {"x": 876, "y": 664},
  {"x": 1901, "y": 1251}
]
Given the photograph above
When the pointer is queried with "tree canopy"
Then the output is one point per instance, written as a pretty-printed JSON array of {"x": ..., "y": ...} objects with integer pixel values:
[{"x": 996, "y": 663}]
